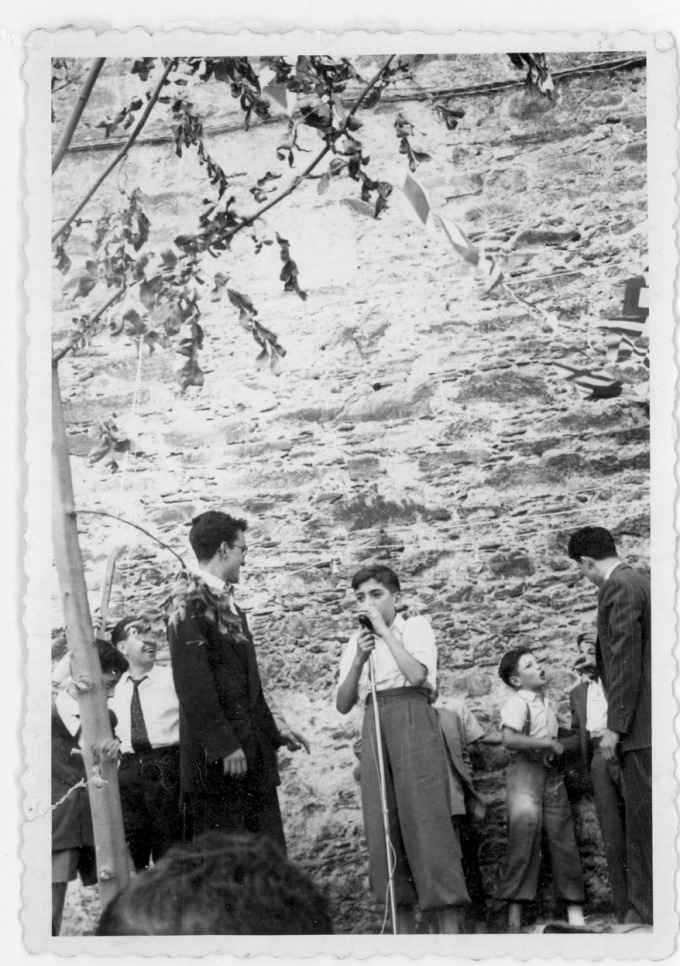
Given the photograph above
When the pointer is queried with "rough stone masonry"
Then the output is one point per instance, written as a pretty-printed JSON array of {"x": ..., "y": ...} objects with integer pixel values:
[{"x": 417, "y": 420}]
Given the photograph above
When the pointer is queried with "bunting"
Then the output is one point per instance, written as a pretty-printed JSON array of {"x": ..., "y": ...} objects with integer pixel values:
[
  {"x": 592, "y": 383},
  {"x": 459, "y": 240},
  {"x": 417, "y": 197},
  {"x": 278, "y": 93},
  {"x": 622, "y": 331}
]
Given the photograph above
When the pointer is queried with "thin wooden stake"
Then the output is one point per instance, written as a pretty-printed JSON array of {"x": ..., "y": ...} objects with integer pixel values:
[{"x": 101, "y": 770}]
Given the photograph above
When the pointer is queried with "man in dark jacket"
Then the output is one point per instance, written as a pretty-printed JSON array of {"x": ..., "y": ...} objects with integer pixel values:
[
  {"x": 228, "y": 734},
  {"x": 589, "y": 721},
  {"x": 624, "y": 643}
]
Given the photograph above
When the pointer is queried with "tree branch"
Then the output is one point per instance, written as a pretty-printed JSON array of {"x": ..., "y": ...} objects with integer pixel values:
[
  {"x": 102, "y": 513},
  {"x": 121, "y": 154},
  {"x": 60, "y": 353},
  {"x": 77, "y": 111},
  {"x": 310, "y": 167}
]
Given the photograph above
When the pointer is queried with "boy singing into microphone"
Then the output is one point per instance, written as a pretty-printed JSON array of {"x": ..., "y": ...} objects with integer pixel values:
[{"x": 427, "y": 863}]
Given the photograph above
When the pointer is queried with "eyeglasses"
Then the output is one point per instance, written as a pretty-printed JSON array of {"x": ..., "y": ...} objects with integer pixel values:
[{"x": 241, "y": 547}]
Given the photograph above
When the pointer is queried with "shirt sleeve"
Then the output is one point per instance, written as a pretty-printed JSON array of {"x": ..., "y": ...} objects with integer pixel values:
[
  {"x": 471, "y": 727},
  {"x": 514, "y": 714},
  {"x": 348, "y": 657},
  {"x": 418, "y": 639}
]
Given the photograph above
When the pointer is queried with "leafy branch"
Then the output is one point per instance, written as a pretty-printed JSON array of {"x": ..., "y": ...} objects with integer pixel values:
[{"x": 171, "y": 65}]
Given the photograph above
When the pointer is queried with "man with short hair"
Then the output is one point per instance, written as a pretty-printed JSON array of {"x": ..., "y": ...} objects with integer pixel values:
[
  {"x": 624, "y": 644},
  {"x": 146, "y": 706},
  {"x": 229, "y": 736},
  {"x": 588, "y": 704}
]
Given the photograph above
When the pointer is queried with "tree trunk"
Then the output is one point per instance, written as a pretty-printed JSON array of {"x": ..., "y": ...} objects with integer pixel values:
[{"x": 102, "y": 771}]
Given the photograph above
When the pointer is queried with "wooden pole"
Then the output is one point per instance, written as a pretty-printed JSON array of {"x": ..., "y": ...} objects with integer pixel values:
[
  {"x": 101, "y": 769},
  {"x": 79, "y": 107}
]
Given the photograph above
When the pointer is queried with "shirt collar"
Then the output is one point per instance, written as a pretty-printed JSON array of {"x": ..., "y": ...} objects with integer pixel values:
[
  {"x": 211, "y": 580},
  {"x": 530, "y": 695},
  {"x": 612, "y": 569}
]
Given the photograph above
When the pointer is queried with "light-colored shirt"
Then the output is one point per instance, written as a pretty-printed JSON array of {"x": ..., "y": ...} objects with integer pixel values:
[
  {"x": 416, "y": 635},
  {"x": 160, "y": 707},
  {"x": 612, "y": 569},
  {"x": 472, "y": 730},
  {"x": 217, "y": 585},
  {"x": 543, "y": 717},
  {"x": 69, "y": 712},
  {"x": 596, "y": 709}
]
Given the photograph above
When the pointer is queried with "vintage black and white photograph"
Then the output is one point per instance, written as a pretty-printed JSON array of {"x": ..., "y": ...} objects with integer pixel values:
[{"x": 351, "y": 367}]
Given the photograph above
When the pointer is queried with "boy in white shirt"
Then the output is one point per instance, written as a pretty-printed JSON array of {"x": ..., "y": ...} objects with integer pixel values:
[
  {"x": 428, "y": 869},
  {"x": 536, "y": 797}
]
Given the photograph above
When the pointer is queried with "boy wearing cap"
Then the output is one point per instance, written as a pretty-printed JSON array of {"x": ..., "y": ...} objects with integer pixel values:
[
  {"x": 536, "y": 796},
  {"x": 427, "y": 871}
]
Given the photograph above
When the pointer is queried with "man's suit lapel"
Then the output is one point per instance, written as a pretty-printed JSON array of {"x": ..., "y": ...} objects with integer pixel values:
[{"x": 250, "y": 661}]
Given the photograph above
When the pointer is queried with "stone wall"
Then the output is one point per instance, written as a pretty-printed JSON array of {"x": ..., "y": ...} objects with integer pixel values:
[{"x": 417, "y": 420}]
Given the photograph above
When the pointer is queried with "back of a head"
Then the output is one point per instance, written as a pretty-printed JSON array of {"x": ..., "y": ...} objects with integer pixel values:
[
  {"x": 211, "y": 529},
  {"x": 508, "y": 666},
  {"x": 380, "y": 573},
  {"x": 220, "y": 885},
  {"x": 595, "y": 542}
]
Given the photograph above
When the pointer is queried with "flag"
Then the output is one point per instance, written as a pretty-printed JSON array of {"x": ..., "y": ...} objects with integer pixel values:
[
  {"x": 417, "y": 197},
  {"x": 278, "y": 93},
  {"x": 489, "y": 269},
  {"x": 592, "y": 383},
  {"x": 630, "y": 327},
  {"x": 635, "y": 300},
  {"x": 460, "y": 241}
]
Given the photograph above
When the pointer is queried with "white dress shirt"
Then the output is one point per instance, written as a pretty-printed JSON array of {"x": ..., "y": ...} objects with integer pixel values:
[
  {"x": 160, "y": 707},
  {"x": 416, "y": 635},
  {"x": 596, "y": 709},
  {"x": 543, "y": 717}
]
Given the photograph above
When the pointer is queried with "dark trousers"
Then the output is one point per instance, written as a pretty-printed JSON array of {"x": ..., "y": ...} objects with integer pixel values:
[
  {"x": 150, "y": 799},
  {"x": 636, "y": 772},
  {"x": 247, "y": 804},
  {"x": 469, "y": 849},
  {"x": 537, "y": 802},
  {"x": 428, "y": 869},
  {"x": 611, "y": 814}
]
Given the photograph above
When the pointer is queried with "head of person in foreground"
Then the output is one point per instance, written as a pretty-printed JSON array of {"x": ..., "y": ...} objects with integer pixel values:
[{"x": 220, "y": 885}]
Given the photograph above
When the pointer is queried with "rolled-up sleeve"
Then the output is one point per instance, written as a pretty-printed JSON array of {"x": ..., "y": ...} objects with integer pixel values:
[
  {"x": 418, "y": 639},
  {"x": 514, "y": 714}
]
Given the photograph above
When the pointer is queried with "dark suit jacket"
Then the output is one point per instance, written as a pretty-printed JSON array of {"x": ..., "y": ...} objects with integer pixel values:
[
  {"x": 222, "y": 707},
  {"x": 624, "y": 658},
  {"x": 578, "y": 702}
]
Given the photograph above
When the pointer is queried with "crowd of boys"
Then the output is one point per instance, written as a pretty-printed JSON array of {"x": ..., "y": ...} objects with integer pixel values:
[{"x": 199, "y": 741}]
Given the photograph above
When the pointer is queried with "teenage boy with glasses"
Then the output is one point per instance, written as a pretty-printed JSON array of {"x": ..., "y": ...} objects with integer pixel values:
[{"x": 229, "y": 735}]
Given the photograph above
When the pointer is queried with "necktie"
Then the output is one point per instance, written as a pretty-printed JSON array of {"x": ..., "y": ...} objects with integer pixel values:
[{"x": 138, "y": 733}]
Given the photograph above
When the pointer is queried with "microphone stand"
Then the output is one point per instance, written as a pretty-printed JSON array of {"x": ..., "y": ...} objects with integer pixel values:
[{"x": 383, "y": 798}]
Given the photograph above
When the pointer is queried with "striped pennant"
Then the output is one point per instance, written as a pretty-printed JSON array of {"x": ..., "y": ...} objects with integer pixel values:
[
  {"x": 591, "y": 383},
  {"x": 417, "y": 197},
  {"x": 629, "y": 327},
  {"x": 459, "y": 240}
]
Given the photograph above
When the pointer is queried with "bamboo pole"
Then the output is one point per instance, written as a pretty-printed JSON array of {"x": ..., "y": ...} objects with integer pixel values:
[{"x": 101, "y": 769}]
